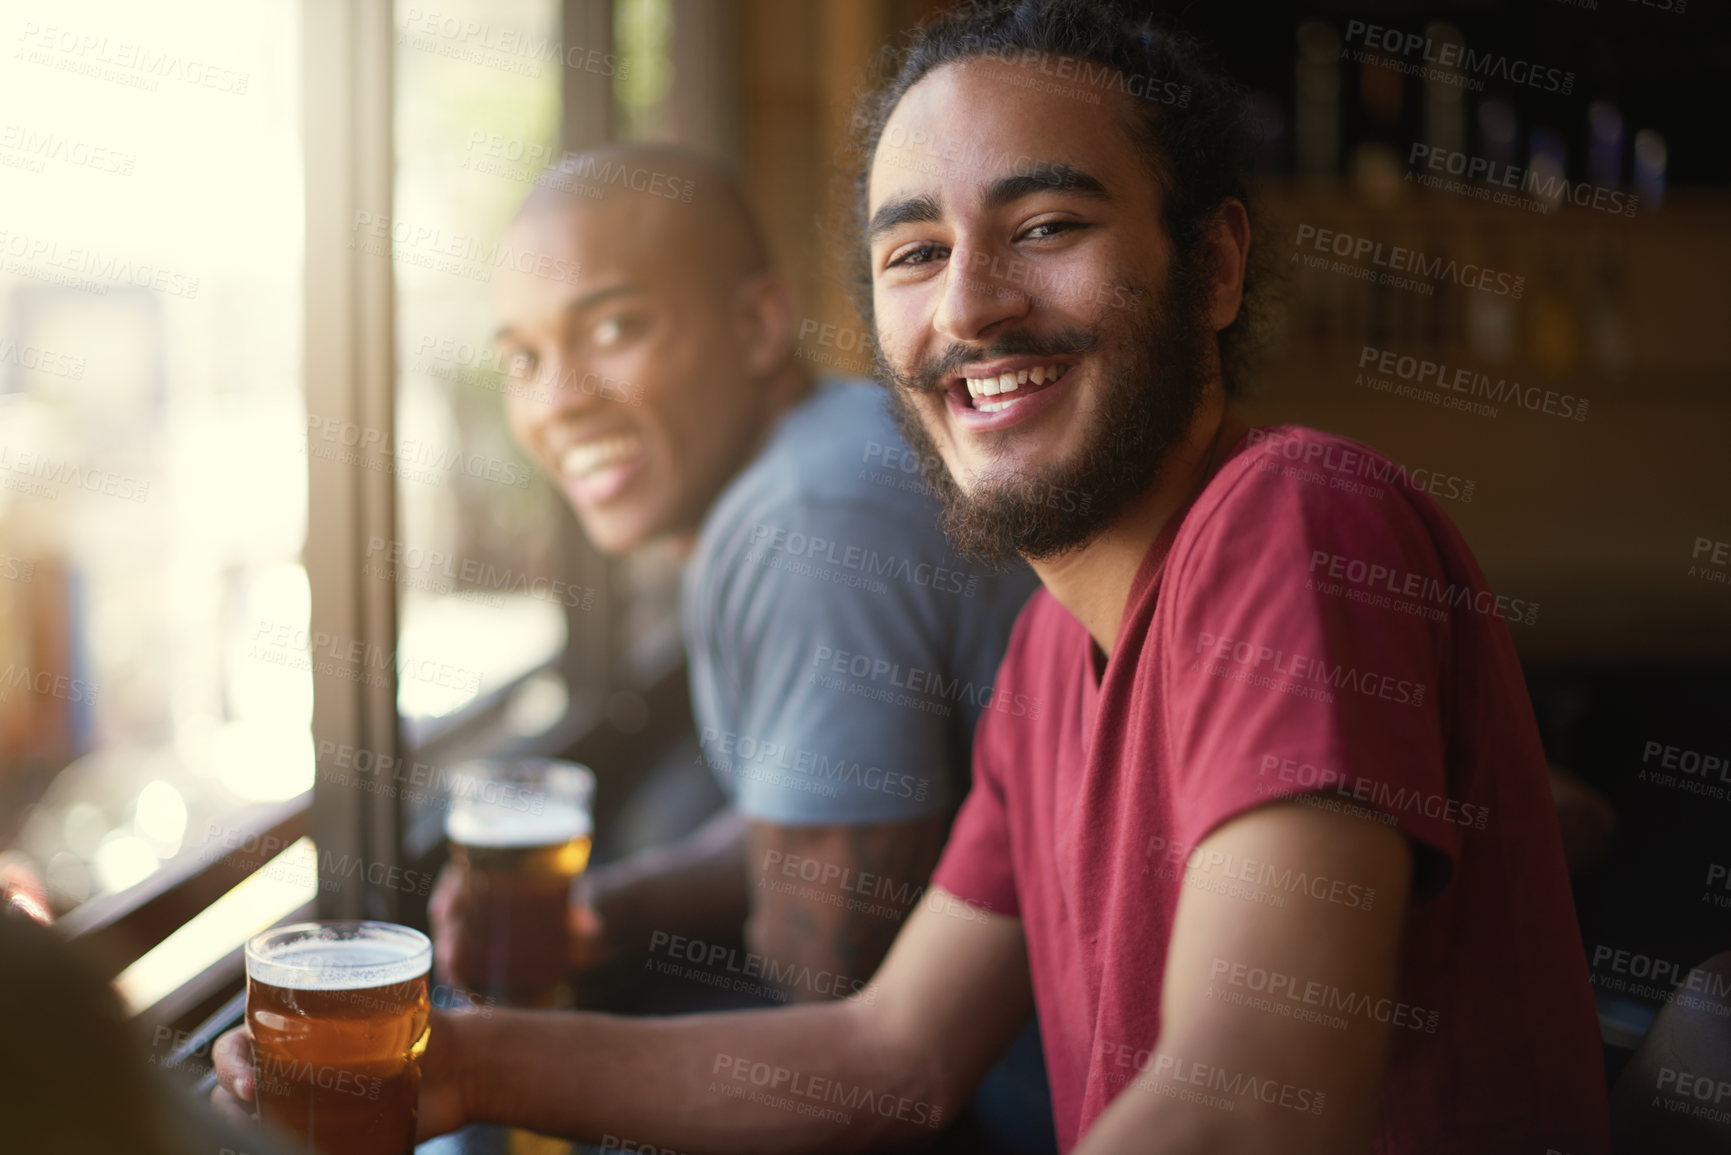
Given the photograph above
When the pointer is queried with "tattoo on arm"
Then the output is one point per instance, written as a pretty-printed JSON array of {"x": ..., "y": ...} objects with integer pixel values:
[{"x": 831, "y": 899}]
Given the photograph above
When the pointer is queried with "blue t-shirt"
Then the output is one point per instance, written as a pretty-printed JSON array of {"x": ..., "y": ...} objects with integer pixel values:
[{"x": 840, "y": 653}]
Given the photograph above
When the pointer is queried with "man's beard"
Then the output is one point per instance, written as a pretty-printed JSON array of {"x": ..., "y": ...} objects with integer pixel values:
[{"x": 1142, "y": 414}]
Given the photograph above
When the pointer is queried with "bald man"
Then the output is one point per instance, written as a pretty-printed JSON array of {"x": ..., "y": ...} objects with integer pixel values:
[{"x": 840, "y": 654}]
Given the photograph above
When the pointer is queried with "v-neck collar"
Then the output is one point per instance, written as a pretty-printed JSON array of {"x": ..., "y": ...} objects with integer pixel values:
[{"x": 1098, "y": 667}]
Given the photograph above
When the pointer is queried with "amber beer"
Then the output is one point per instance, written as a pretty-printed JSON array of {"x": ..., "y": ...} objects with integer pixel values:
[
  {"x": 338, "y": 1015},
  {"x": 520, "y": 832}
]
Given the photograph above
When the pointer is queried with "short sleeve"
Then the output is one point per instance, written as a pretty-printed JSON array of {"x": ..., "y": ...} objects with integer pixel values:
[
  {"x": 1308, "y": 658},
  {"x": 978, "y": 864},
  {"x": 838, "y": 626}
]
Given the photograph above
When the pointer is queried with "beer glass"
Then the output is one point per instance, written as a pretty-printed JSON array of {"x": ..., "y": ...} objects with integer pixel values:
[
  {"x": 338, "y": 1015},
  {"x": 520, "y": 833}
]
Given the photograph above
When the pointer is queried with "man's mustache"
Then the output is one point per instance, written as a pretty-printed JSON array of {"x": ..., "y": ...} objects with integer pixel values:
[{"x": 935, "y": 375}]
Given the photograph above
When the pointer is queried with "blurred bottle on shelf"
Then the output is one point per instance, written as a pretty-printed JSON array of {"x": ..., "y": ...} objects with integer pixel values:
[
  {"x": 1547, "y": 167},
  {"x": 1316, "y": 127},
  {"x": 1650, "y": 157},
  {"x": 1499, "y": 132},
  {"x": 1604, "y": 144},
  {"x": 1445, "y": 113}
]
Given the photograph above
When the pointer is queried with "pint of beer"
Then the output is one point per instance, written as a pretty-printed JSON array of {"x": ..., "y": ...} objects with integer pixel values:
[
  {"x": 338, "y": 1015},
  {"x": 520, "y": 833}
]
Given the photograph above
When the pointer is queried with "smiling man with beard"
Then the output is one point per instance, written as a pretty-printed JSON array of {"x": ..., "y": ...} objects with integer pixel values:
[
  {"x": 1002, "y": 514},
  {"x": 1276, "y": 861},
  {"x": 1251, "y": 849}
]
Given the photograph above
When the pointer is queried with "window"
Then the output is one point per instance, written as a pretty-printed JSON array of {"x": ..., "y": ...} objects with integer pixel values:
[
  {"x": 476, "y": 556},
  {"x": 226, "y": 260},
  {"x": 487, "y": 561},
  {"x": 153, "y": 477}
]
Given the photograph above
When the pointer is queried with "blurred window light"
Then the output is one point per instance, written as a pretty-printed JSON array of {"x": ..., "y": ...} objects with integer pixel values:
[
  {"x": 261, "y": 900},
  {"x": 475, "y": 562},
  {"x": 644, "y": 32},
  {"x": 152, "y": 424}
]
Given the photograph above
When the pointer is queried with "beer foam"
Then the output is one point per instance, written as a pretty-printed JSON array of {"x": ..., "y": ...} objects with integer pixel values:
[
  {"x": 496, "y": 827},
  {"x": 324, "y": 962}
]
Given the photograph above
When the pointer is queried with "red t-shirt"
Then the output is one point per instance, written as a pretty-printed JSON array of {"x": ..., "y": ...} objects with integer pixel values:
[{"x": 1312, "y": 625}]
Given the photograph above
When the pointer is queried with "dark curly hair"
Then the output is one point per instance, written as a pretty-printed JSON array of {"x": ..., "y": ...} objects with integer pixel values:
[{"x": 1187, "y": 116}]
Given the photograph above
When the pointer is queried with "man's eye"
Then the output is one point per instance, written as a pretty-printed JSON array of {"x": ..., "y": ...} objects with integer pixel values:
[
  {"x": 917, "y": 255},
  {"x": 615, "y": 330},
  {"x": 1049, "y": 229}
]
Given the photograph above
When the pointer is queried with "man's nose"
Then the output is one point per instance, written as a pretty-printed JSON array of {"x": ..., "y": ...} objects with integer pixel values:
[
  {"x": 557, "y": 386},
  {"x": 978, "y": 293}
]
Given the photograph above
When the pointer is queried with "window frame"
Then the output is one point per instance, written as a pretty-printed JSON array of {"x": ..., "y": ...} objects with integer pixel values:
[
  {"x": 349, "y": 368},
  {"x": 349, "y": 363}
]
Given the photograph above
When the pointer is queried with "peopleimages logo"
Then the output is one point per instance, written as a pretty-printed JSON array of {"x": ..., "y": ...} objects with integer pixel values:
[
  {"x": 1346, "y": 463},
  {"x": 40, "y": 360},
  {"x": 286, "y": 644},
  {"x": 802, "y": 1093},
  {"x": 780, "y": 977},
  {"x": 1708, "y": 554},
  {"x": 1300, "y": 670},
  {"x": 582, "y": 174},
  {"x": 501, "y": 46},
  {"x": 278, "y": 1074},
  {"x": 1193, "y": 1082},
  {"x": 1439, "y": 375},
  {"x": 469, "y": 363},
  {"x": 1383, "y": 795},
  {"x": 1712, "y": 1094},
  {"x": 49, "y": 473},
  {"x": 1290, "y": 996},
  {"x": 1548, "y": 190},
  {"x": 1386, "y": 587},
  {"x": 35, "y": 149},
  {"x": 935, "y": 685},
  {"x": 139, "y": 66},
  {"x": 46, "y": 683},
  {"x": 1440, "y": 60},
  {"x": 828, "y": 877},
  {"x": 1643, "y": 975},
  {"x": 419, "y": 782},
  {"x": 1400, "y": 259},
  {"x": 633, "y": 1147},
  {"x": 1017, "y": 276},
  {"x": 329, "y": 871},
  {"x": 462, "y": 254},
  {"x": 410, "y": 458},
  {"x": 42, "y": 258},
  {"x": 773, "y": 542},
  {"x": 1691, "y": 771},
  {"x": 1169, "y": 860},
  {"x": 1092, "y": 74},
  {"x": 795, "y": 767},
  {"x": 420, "y": 568}
]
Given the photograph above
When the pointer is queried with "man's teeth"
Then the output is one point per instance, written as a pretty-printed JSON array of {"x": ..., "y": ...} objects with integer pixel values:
[
  {"x": 584, "y": 459},
  {"x": 979, "y": 387}
]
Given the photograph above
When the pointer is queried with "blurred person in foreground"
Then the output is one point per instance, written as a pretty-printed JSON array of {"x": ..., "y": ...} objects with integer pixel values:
[
  {"x": 660, "y": 390},
  {"x": 1278, "y": 866},
  {"x": 75, "y": 1075}
]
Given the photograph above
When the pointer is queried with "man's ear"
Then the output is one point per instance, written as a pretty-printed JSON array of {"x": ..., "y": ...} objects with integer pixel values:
[
  {"x": 1229, "y": 249},
  {"x": 767, "y": 309}
]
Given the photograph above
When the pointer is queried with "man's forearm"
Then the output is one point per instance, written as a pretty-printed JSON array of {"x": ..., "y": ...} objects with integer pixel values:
[
  {"x": 806, "y": 1078},
  {"x": 694, "y": 887},
  {"x": 827, "y": 901}
]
